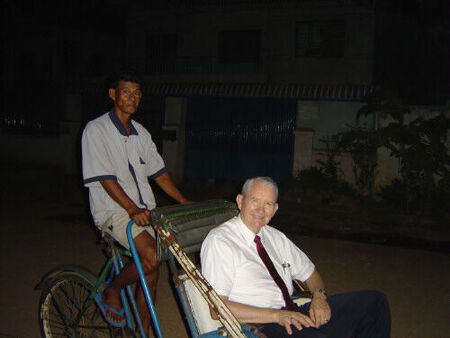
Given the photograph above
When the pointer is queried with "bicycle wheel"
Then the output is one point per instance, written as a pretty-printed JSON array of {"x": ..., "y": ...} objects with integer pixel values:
[{"x": 63, "y": 311}]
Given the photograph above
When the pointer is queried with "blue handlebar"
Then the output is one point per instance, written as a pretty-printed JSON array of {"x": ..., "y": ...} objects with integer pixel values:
[{"x": 148, "y": 297}]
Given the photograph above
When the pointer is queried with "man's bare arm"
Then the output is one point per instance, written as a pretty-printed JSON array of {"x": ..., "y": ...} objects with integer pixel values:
[
  {"x": 315, "y": 282},
  {"x": 166, "y": 184},
  {"x": 115, "y": 191}
]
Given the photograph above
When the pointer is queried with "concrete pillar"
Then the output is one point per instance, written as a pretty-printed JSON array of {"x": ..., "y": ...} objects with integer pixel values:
[
  {"x": 303, "y": 149},
  {"x": 173, "y": 150}
]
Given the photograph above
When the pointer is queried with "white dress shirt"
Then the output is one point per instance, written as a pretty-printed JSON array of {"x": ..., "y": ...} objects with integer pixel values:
[{"x": 231, "y": 264}]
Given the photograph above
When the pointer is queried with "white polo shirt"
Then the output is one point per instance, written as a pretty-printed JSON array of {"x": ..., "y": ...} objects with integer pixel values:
[
  {"x": 108, "y": 152},
  {"x": 231, "y": 264}
]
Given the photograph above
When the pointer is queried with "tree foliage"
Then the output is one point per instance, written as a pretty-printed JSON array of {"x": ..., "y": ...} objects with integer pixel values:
[{"x": 419, "y": 144}]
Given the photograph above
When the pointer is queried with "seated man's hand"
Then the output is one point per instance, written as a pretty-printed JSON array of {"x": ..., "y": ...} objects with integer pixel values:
[
  {"x": 288, "y": 318},
  {"x": 141, "y": 217},
  {"x": 319, "y": 311}
]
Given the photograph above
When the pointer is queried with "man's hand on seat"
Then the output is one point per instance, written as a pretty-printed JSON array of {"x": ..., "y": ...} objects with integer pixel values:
[
  {"x": 319, "y": 310},
  {"x": 141, "y": 217},
  {"x": 288, "y": 318}
]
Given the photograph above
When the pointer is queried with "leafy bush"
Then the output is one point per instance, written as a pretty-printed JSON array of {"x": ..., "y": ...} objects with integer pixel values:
[
  {"x": 417, "y": 195},
  {"x": 441, "y": 196},
  {"x": 316, "y": 178},
  {"x": 420, "y": 146}
]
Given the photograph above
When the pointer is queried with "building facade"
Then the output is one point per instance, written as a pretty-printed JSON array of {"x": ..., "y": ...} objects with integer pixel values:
[
  {"x": 256, "y": 82},
  {"x": 232, "y": 88}
]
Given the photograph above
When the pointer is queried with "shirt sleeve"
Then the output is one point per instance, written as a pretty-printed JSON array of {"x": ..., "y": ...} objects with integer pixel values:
[
  {"x": 302, "y": 266},
  {"x": 154, "y": 162},
  {"x": 96, "y": 164},
  {"x": 218, "y": 264}
]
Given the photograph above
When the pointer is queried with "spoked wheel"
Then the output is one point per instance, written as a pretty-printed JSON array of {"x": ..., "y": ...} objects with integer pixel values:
[{"x": 66, "y": 310}]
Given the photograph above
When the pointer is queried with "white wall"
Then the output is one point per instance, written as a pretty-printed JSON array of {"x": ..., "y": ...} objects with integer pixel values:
[{"x": 317, "y": 119}]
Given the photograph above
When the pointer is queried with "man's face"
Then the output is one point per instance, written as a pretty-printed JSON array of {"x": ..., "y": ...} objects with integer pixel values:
[
  {"x": 126, "y": 97},
  {"x": 258, "y": 206}
]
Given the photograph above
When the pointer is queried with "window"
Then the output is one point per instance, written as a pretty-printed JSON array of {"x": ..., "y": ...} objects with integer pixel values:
[
  {"x": 320, "y": 39},
  {"x": 160, "y": 52},
  {"x": 239, "y": 46}
]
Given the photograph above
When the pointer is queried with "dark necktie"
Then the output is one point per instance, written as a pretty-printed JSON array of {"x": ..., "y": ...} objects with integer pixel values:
[{"x": 273, "y": 272}]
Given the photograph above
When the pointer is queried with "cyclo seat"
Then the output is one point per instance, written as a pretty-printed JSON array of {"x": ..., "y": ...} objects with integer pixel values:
[{"x": 190, "y": 223}]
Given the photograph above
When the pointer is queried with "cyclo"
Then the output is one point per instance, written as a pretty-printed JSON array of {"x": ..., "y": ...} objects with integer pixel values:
[{"x": 67, "y": 306}]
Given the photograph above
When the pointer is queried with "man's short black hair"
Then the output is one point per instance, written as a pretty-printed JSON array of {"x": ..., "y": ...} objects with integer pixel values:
[{"x": 128, "y": 75}]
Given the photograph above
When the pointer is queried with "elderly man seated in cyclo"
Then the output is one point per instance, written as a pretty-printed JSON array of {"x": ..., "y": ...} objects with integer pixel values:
[{"x": 251, "y": 265}]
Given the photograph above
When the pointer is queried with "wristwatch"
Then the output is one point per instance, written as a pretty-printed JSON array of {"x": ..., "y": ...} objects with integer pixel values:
[{"x": 321, "y": 291}]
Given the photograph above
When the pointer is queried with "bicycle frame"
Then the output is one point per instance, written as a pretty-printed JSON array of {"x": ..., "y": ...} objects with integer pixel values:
[
  {"x": 144, "y": 285},
  {"x": 112, "y": 267},
  {"x": 117, "y": 264}
]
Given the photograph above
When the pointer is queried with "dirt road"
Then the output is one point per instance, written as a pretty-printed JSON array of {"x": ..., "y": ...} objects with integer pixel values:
[{"x": 39, "y": 233}]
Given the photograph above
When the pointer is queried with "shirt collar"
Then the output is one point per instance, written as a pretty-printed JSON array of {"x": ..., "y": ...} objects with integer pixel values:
[
  {"x": 249, "y": 236},
  {"x": 115, "y": 120}
]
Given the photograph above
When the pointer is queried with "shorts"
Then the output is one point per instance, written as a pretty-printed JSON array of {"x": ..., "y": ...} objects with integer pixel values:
[{"x": 116, "y": 226}]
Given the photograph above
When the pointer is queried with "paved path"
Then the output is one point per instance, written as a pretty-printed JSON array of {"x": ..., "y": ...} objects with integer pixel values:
[{"x": 43, "y": 233}]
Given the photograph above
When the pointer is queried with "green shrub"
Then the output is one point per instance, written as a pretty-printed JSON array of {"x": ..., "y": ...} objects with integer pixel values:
[
  {"x": 316, "y": 178},
  {"x": 422, "y": 197}
]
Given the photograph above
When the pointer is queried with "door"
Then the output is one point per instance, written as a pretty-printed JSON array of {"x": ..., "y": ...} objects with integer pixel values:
[{"x": 238, "y": 138}]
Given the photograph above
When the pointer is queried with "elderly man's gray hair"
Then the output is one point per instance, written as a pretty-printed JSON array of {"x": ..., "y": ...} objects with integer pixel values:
[{"x": 264, "y": 180}]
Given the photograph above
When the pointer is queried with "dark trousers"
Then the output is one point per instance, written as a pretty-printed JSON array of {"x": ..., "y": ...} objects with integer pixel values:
[{"x": 356, "y": 314}]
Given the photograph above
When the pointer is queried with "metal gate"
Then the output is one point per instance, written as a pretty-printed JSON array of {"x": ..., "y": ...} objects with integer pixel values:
[{"x": 237, "y": 138}]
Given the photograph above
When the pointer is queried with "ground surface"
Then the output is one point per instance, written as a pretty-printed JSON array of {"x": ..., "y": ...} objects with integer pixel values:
[{"x": 45, "y": 223}]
